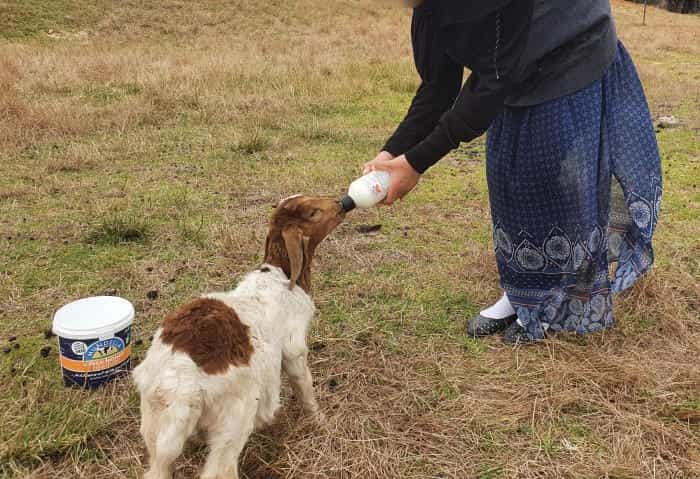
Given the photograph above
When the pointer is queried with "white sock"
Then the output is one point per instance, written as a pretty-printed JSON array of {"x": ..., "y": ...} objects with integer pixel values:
[{"x": 502, "y": 309}]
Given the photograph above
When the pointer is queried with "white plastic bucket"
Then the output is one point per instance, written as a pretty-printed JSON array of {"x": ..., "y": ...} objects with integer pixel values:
[{"x": 94, "y": 339}]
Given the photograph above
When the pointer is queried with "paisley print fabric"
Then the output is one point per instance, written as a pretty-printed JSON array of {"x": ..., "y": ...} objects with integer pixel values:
[{"x": 575, "y": 185}]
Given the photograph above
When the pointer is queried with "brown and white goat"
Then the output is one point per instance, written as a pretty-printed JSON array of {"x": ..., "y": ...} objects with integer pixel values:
[{"x": 214, "y": 366}]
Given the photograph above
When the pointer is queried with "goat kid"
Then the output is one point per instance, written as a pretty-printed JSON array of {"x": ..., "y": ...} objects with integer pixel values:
[{"x": 214, "y": 366}]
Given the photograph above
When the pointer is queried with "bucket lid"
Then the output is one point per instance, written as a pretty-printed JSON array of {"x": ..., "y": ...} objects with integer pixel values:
[{"x": 93, "y": 317}]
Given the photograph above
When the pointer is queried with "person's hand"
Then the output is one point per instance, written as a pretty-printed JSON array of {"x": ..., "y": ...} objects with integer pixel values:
[
  {"x": 382, "y": 156},
  {"x": 403, "y": 177}
]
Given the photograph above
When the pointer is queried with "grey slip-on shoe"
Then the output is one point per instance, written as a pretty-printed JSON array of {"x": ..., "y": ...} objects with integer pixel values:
[
  {"x": 483, "y": 326},
  {"x": 516, "y": 335}
]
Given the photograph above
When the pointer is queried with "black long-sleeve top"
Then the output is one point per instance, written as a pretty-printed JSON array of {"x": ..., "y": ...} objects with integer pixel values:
[{"x": 509, "y": 59}]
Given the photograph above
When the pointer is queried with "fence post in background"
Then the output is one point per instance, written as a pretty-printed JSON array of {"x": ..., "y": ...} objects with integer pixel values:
[{"x": 644, "y": 19}]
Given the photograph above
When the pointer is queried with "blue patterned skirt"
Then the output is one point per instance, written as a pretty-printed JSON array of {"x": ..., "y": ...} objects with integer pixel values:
[{"x": 575, "y": 185}]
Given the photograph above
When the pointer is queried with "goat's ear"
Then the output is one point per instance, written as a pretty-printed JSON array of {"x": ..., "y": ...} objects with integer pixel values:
[{"x": 296, "y": 245}]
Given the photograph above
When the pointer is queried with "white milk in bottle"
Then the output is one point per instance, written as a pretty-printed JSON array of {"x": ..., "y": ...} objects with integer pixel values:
[{"x": 367, "y": 190}]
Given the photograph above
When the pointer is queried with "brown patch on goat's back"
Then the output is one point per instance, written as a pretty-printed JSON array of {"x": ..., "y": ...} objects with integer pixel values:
[{"x": 211, "y": 333}]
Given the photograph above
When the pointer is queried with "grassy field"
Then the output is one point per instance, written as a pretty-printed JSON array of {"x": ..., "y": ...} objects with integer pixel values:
[{"x": 142, "y": 145}]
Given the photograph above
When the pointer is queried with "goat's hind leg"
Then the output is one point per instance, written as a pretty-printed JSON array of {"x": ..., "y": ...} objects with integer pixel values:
[
  {"x": 226, "y": 438},
  {"x": 166, "y": 449},
  {"x": 165, "y": 434}
]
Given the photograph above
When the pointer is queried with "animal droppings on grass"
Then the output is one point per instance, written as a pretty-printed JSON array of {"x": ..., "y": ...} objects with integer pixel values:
[
  {"x": 138, "y": 342},
  {"x": 119, "y": 230},
  {"x": 367, "y": 229},
  {"x": 12, "y": 338},
  {"x": 15, "y": 345},
  {"x": 45, "y": 351},
  {"x": 110, "y": 292},
  {"x": 152, "y": 294},
  {"x": 6, "y": 350},
  {"x": 332, "y": 384},
  {"x": 317, "y": 346}
]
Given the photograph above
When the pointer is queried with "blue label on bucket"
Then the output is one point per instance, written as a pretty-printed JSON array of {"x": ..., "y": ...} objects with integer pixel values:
[{"x": 92, "y": 362}]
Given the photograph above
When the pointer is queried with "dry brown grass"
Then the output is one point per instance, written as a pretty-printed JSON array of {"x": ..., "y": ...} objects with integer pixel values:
[
  {"x": 666, "y": 51},
  {"x": 225, "y": 63},
  {"x": 188, "y": 120}
]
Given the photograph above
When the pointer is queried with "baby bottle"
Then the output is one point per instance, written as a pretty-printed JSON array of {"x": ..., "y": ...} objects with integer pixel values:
[{"x": 367, "y": 190}]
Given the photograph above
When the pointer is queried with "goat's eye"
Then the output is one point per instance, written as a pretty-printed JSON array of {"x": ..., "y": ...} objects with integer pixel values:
[{"x": 315, "y": 215}]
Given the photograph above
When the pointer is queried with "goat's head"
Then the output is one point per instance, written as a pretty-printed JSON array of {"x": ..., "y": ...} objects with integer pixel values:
[{"x": 298, "y": 224}]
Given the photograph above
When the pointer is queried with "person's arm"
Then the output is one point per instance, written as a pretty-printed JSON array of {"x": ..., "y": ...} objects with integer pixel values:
[
  {"x": 477, "y": 104},
  {"x": 493, "y": 61},
  {"x": 431, "y": 101},
  {"x": 495, "y": 49},
  {"x": 480, "y": 101}
]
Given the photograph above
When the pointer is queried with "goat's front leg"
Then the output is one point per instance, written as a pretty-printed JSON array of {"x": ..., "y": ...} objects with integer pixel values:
[{"x": 297, "y": 368}]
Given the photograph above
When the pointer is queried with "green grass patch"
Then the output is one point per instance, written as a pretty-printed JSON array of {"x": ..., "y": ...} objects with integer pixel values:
[
  {"x": 119, "y": 229},
  {"x": 252, "y": 142},
  {"x": 29, "y": 18},
  {"x": 105, "y": 94}
]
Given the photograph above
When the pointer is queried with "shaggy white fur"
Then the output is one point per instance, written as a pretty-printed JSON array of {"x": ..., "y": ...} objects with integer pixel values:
[{"x": 178, "y": 399}]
